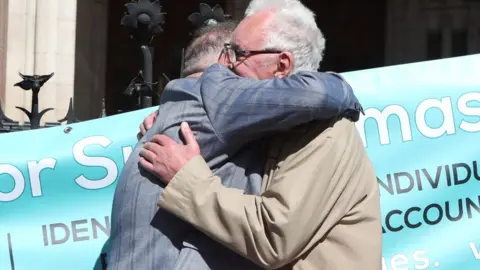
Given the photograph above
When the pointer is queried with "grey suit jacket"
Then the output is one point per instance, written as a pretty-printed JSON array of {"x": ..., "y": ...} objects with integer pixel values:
[{"x": 229, "y": 115}]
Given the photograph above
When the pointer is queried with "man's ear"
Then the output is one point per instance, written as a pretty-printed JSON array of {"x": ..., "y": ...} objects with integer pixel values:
[
  {"x": 284, "y": 64},
  {"x": 223, "y": 60}
]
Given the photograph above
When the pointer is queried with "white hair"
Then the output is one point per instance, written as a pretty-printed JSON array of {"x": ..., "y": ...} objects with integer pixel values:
[{"x": 293, "y": 29}]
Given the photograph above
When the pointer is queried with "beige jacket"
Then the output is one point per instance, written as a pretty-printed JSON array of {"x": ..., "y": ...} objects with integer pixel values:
[{"x": 319, "y": 207}]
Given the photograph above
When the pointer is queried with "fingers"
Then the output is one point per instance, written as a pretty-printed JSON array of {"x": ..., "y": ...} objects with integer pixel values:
[
  {"x": 188, "y": 135},
  {"x": 146, "y": 165},
  {"x": 148, "y": 122},
  {"x": 147, "y": 154},
  {"x": 142, "y": 128},
  {"x": 150, "y": 119},
  {"x": 153, "y": 147},
  {"x": 163, "y": 140}
]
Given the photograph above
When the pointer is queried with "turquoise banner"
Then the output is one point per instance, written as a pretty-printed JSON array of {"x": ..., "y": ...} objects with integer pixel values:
[{"x": 421, "y": 130}]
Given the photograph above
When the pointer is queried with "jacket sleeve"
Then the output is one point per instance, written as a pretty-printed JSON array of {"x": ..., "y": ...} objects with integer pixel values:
[
  {"x": 299, "y": 206},
  {"x": 245, "y": 109}
]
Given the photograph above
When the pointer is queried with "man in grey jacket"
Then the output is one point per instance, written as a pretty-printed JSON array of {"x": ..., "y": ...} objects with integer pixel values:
[{"x": 230, "y": 116}]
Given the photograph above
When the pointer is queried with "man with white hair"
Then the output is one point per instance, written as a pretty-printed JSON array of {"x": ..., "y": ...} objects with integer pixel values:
[
  {"x": 229, "y": 114},
  {"x": 319, "y": 207}
]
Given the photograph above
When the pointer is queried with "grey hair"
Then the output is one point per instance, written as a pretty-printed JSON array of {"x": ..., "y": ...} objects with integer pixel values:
[
  {"x": 293, "y": 29},
  {"x": 206, "y": 46}
]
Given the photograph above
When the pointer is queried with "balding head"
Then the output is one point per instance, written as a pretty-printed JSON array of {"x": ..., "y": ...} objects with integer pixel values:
[{"x": 206, "y": 46}]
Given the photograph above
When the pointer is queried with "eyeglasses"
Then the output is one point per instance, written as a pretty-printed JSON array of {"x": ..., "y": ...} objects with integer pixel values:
[{"x": 233, "y": 52}]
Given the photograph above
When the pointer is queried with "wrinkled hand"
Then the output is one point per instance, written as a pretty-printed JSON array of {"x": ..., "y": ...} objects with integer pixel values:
[
  {"x": 147, "y": 124},
  {"x": 163, "y": 157}
]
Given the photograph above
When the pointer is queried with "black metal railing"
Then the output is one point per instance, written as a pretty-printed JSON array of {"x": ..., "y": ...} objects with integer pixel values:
[
  {"x": 143, "y": 21},
  {"x": 33, "y": 83}
]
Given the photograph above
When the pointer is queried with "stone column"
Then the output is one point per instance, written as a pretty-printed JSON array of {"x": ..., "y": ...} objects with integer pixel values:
[
  {"x": 41, "y": 40},
  {"x": 3, "y": 48}
]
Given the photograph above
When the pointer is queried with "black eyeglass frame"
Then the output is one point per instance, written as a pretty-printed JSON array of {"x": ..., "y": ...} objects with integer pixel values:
[{"x": 244, "y": 53}]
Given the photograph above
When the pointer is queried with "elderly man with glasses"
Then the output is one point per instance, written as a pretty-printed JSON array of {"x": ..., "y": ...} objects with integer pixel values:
[
  {"x": 318, "y": 206},
  {"x": 231, "y": 116}
]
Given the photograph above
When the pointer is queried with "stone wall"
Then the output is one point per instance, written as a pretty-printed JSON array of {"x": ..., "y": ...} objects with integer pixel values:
[{"x": 40, "y": 40}]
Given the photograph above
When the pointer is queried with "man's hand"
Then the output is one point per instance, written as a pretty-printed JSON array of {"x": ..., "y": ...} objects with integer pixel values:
[
  {"x": 147, "y": 124},
  {"x": 163, "y": 157}
]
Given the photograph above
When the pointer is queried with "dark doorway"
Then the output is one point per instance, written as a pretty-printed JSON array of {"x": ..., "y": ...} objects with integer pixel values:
[{"x": 355, "y": 33}]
